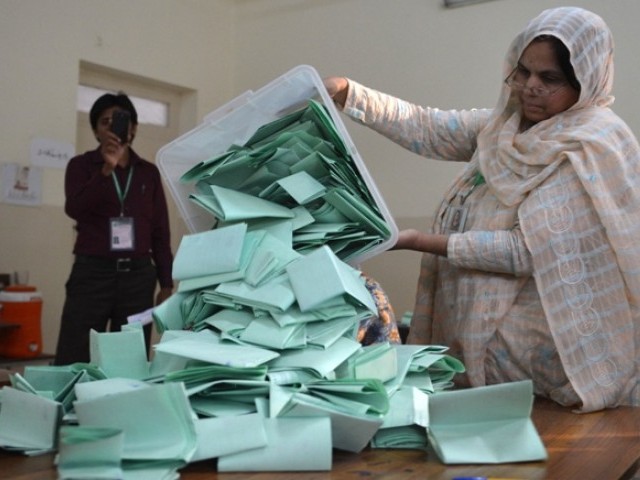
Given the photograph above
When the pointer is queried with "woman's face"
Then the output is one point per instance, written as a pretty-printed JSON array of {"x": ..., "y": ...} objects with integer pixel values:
[{"x": 540, "y": 84}]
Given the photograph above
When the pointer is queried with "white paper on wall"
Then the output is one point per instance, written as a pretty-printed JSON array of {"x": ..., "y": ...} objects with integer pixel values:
[{"x": 21, "y": 184}]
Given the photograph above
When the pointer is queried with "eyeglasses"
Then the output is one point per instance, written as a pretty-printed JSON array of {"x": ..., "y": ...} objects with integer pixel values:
[{"x": 548, "y": 90}]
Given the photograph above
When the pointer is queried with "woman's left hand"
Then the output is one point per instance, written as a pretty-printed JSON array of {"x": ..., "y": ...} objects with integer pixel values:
[{"x": 412, "y": 239}]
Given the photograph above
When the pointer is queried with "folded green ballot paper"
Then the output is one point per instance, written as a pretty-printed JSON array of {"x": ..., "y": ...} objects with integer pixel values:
[
  {"x": 406, "y": 357},
  {"x": 334, "y": 282},
  {"x": 299, "y": 160},
  {"x": 240, "y": 433},
  {"x": 300, "y": 186},
  {"x": 208, "y": 348},
  {"x": 157, "y": 421},
  {"x": 379, "y": 360},
  {"x": 405, "y": 424},
  {"x": 206, "y": 253},
  {"x": 323, "y": 361},
  {"x": 120, "y": 354},
  {"x": 293, "y": 444},
  {"x": 353, "y": 423},
  {"x": 489, "y": 424},
  {"x": 89, "y": 452},
  {"x": 56, "y": 382},
  {"x": 167, "y": 316},
  {"x": 28, "y": 422},
  {"x": 228, "y": 204}
]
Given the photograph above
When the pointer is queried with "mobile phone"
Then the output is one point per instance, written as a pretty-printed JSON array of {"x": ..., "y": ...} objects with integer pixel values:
[{"x": 120, "y": 120}]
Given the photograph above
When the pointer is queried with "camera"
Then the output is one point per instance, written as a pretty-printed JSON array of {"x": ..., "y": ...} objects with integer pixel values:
[{"x": 120, "y": 121}]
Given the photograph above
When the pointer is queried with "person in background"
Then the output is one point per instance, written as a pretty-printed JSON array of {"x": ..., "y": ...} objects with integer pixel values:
[
  {"x": 531, "y": 269},
  {"x": 122, "y": 248}
]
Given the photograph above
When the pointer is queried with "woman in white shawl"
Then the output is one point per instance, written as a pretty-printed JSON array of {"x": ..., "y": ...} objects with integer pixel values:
[{"x": 531, "y": 269}]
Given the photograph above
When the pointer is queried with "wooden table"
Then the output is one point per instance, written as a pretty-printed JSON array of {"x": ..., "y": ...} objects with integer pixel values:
[
  {"x": 596, "y": 446},
  {"x": 16, "y": 365}
]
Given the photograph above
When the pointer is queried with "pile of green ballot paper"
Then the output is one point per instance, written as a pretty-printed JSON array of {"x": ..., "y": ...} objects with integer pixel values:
[
  {"x": 258, "y": 364},
  {"x": 294, "y": 170}
]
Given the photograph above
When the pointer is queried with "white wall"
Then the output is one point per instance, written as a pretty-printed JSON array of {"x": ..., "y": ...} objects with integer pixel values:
[{"x": 417, "y": 49}]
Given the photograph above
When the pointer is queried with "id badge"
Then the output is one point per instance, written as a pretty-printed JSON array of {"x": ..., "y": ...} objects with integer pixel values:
[
  {"x": 122, "y": 237},
  {"x": 456, "y": 218}
]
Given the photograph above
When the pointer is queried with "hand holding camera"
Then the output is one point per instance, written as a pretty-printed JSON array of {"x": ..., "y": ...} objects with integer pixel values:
[
  {"x": 120, "y": 121},
  {"x": 114, "y": 147}
]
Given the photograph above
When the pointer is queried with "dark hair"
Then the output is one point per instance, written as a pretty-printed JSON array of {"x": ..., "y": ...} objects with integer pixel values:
[
  {"x": 564, "y": 58},
  {"x": 109, "y": 100}
]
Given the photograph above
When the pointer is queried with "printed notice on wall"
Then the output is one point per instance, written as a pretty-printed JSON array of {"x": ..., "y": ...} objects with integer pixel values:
[
  {"x": 21, "y": 184},
  {"x": 50, "y": 153}
]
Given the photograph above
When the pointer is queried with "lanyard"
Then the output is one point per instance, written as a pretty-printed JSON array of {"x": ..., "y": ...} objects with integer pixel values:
[
  {"x": 121, "y": 195},
  {"x": 478, "y": 180}
]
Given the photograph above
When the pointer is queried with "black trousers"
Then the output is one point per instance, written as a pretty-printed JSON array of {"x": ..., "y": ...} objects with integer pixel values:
[{"x": 100, "y": 294}]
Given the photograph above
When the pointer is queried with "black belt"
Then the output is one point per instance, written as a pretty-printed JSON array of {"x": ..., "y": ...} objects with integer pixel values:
[{"x": 125, "y": 264}]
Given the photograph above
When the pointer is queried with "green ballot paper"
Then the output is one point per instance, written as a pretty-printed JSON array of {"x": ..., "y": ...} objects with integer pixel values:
[
  {"x": 299, "y": 160},
  {"x": 28, "y": 422},
  {"x": 90, "y": 452},
  {"x": 489, "y": 424}
]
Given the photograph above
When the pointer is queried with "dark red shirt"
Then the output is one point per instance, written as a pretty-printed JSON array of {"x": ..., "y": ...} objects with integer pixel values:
[{"x": 91, "y": 200}]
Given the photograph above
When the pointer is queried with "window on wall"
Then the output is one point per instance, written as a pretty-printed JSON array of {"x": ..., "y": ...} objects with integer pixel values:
[{"x": 150, "y": 112}]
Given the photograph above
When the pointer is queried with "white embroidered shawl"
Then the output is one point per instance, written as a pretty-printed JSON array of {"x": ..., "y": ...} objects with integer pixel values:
[{"x": 576, "y": 179}]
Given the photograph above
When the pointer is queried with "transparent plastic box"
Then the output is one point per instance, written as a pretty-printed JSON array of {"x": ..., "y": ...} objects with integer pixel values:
[{"x": 235, "y": 122}]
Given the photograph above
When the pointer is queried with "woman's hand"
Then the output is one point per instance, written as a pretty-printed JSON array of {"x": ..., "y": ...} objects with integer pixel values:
[
  {"x": 338, "y": 87},
  {"x": 415, "y": 240},
  {"x": 406, "y": 239}
]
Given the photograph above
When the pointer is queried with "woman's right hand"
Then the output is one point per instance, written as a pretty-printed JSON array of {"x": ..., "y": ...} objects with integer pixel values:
[{"x": 337, "y": 87}]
